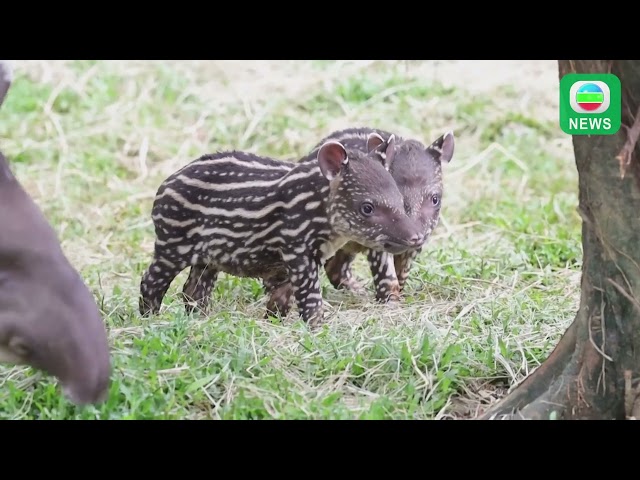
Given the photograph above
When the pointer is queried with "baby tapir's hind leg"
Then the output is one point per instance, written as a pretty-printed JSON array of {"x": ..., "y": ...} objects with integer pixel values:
[
  {"x": 280, "y": 295},
  {"x": 339, "y": 271},
  {"x": 156, "y": 281},
  {"x": 198, "y": 287}
]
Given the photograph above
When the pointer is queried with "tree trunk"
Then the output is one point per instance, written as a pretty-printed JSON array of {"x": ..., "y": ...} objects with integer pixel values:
[{"x": 593, "y": 371}]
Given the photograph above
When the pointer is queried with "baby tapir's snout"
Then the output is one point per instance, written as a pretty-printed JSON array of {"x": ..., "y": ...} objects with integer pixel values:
[
  {"x": 406, "y": 234},
  {"x": 416, "y": 239}
]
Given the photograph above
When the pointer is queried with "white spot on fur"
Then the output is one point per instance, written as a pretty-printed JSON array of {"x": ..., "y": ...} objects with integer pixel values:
[{"x": 184, "y": 249}]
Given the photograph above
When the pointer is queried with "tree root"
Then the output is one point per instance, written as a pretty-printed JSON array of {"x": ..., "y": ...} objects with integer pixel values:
[
  {"x": 538, "y": 382},
  {"x": 625, "y": 155},
  {"x": 577, "y": 381}
]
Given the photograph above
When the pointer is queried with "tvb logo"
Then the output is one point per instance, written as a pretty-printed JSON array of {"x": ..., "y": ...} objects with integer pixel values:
[{"x": 590, "y": 104}]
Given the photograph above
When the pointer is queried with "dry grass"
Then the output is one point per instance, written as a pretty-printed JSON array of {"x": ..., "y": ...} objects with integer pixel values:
[{"x": 486, "y": 302}]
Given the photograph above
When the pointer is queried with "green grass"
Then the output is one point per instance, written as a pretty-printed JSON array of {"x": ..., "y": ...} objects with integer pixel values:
[{"x": 486, "y": 301}]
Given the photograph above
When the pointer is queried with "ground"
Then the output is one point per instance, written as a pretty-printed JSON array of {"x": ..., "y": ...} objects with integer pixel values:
[{"x": 485, "y": 303}]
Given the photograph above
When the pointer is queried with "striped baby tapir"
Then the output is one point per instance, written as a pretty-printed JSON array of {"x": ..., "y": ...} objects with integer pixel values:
[
  {"x": 251, "y": 216},
  {"x": 417, "y": 171}
]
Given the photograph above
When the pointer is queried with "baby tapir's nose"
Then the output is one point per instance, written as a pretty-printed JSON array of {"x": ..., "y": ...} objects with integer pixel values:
[{"x": 417, "y": 239}]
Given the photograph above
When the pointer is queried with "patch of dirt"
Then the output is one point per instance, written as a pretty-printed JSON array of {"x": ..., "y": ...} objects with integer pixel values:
[{"x": 476, "y": 398}]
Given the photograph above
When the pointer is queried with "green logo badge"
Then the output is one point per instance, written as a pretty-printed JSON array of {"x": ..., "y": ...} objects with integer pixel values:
[{"x": 590, "y": 104}]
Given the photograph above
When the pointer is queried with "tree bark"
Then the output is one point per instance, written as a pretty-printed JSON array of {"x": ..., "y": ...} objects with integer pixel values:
[{"x": 593, "y": 371}]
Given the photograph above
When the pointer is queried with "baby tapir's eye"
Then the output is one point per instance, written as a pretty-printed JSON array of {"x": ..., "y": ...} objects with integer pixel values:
[
  {"x": 435, "y": 199},
  {"x": 366, "y": 209}
]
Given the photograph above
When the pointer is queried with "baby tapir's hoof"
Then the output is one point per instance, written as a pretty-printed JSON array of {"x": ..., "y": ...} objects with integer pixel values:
[{"x": 352, "y": 285}]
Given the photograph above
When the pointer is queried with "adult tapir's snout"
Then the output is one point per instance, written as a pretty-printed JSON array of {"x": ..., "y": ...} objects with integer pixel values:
[
  {"x": 81, "y": 360},
  {"x": 61, "y": 333},
  {"x": 48, "y": 317}
]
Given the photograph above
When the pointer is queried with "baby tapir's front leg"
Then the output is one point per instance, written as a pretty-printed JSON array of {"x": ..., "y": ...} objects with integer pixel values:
[
  {"x": 385, "y": 279},
  {"x": 403, "y": 264},
  {"x": 304, "y": 275}
]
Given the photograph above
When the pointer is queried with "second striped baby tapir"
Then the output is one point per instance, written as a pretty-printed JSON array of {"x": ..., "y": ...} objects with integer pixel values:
[
  {"x": 417, "y": 170},
  {"x": 253, "y": 216}
]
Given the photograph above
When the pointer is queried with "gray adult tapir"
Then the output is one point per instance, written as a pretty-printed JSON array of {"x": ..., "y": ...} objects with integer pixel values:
[{"x": 49, "y": 319}]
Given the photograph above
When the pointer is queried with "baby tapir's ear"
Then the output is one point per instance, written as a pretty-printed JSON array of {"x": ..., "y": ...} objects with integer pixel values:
[
  {"x": 390, "y": 151},
  {"x": 332, "y": 158},
  {"x": 442, "y": 148},
  {"x": 385, "y": 149},
  {"x": 374, "y": 141},
  {"x": 6, "y": 77}
]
